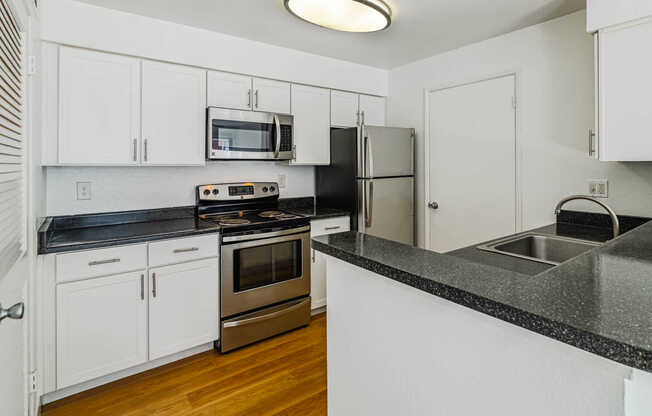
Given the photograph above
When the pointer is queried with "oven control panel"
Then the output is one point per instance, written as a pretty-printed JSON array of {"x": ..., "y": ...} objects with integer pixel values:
[{"x": 237, "y": 191}]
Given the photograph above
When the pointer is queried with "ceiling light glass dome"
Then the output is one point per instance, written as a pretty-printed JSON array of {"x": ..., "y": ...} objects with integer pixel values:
[{"x": 344, "y": 15}]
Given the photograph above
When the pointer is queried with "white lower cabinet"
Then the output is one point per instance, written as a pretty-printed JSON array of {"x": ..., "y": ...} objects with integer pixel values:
[
  {"x": 318, "y": 259},
  {"x": 101, "y": 326},
  {"x": 183, "y": 306},
  {"x": 113, "y": 306}
]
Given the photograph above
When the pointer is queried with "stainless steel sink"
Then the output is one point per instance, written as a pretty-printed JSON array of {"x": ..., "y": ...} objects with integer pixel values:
[{"x": 540, "y": 247}]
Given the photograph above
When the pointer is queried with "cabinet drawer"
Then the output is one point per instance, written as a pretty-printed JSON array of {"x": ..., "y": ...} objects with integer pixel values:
[
  {"x": 329, "y": 226},
  {"x": 101, "y": 262},
  {"x": 183, "y": 249}
]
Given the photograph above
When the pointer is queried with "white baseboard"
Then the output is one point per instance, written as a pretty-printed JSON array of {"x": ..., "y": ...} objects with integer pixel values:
[
  {"x": 87, "y": 385},
  {"x": 318, "y": 310}
]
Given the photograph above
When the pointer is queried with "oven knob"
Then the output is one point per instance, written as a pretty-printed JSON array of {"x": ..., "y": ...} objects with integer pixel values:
[
  {"x": 215, "y": 192},
  {"x": 265, "y": 189},
  {"x": 207, "y": 192},
  {"x": 272, "y": 189}
]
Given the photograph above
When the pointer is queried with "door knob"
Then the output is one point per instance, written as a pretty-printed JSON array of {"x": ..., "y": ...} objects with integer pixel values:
[
  {"x": 15, "y": 312},
  {"x": 433, "y": 205}
]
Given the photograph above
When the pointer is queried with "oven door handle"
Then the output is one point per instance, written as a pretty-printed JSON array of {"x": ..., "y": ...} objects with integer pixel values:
[
  {"x": 251, "y": 237},
  {"x": 265, "y": 317},
  {"x": 277, "y": 122}
]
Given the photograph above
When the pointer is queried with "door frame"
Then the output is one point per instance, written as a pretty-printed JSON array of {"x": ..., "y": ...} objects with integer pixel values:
[{"x": 517, "y": 150}]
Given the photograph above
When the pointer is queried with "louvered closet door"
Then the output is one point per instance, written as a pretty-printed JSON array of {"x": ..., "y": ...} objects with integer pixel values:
[
  {"x": 12, "y": 147},
  {"x": 14, "y": 266}
]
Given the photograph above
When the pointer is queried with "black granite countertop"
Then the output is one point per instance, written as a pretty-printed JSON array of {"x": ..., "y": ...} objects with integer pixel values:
[
  {"x": 307, "y": 207},
  {"x": 599, "y": 301},
  {"x": 80, "y": 232}
]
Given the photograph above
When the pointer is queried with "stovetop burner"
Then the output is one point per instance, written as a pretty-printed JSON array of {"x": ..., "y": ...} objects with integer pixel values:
[
  {"x": 270, "y": 214},
  {"x": 233, "y": 221}
]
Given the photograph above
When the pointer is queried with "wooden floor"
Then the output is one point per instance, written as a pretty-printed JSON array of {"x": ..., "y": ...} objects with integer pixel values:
[{"x": 285, "y": 375}]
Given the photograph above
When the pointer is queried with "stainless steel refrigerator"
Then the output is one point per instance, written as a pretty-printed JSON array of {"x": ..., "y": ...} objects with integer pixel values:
[{"x": 372, "y": 176}]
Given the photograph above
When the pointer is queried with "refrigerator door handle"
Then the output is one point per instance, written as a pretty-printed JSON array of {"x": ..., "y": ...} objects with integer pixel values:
[
  {"x": 369, "y": 207},
  {"x": 370, "y": 156}
]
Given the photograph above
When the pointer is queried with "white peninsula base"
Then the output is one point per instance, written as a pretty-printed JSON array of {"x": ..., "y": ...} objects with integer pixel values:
[{"x": 395, "y": 350}]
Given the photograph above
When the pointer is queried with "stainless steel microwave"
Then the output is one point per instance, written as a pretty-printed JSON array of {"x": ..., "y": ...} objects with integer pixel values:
[{"x": 248, "y": 135}]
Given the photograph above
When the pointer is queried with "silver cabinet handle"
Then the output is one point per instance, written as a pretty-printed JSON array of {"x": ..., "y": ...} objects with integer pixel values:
[
  {"x": 135, "y": 150},
  {"x": 332, "y": 228},
  {"x": 14, "y": 312},
  {"x": 249, "y": 98},
  {"x": 277, "y": 122},
  {"x": 185, "y": 250},
  {"x": 145, "y": 150},
  {"x": 142, "y": 287},
  {"x": 591, "y": 142},
  {"x": 100, "y": 262},
  {"x": 256, "y": 96},
  {"x": 153, "y": 284},
  {"x": 313, "y": 255},
  {"x": 433, "y": 205},
  {"x": 362, "y": 117}
]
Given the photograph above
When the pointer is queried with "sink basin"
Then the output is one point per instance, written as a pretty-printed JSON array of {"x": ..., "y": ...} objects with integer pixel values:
[{"x": 542, "y": 248}]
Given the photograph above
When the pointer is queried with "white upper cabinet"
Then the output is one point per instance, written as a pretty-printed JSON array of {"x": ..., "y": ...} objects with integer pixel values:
[
  {"x": 99, "y": 108},
  {"x": 101, "y": 326},
  {"x": 311, "y": 110},
  {"x": 183, "y": 306},
  {"x": 344, "y": 109},
  {"x": 272, "y": 96},
  {"x": 372, "y": 110},
  {"x": 623, "y": 92},
  {"x": 173, "y": 114},
  {"x": 229, "y": 90}
]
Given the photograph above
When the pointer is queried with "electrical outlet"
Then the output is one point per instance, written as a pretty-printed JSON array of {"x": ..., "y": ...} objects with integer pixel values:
[
  {"x": 83, "y": 190},
  {"x": 599, "y": 188},
  {"x": 281, "y": 180}
]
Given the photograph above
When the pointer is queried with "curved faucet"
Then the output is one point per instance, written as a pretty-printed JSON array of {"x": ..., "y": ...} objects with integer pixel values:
[{"x": 614, "y": 218}]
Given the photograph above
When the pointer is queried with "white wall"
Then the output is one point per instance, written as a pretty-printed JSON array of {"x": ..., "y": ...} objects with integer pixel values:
[
  {"x": 602, "y": 13},
  {"x": 131, "y": 188},
  {"x": 554, "y": 62},
  {"x": 79, "y": 24}
]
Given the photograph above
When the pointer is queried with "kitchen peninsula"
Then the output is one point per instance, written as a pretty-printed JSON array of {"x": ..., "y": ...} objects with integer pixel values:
[{"x": 455, "y": 337}]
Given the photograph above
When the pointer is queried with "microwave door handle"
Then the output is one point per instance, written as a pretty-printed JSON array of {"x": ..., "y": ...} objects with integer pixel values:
[{"x": 277, "y": 122}]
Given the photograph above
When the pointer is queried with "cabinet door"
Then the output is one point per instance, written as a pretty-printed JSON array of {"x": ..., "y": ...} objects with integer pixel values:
[
  {"x": 312, "y": 125},
  {"x": 344, "y": 109},
  {"x": 174, "y": 111},
  {"x": 183, "y": 306},
  {"x": 625, "y": 88},
  {"x": 101, "y": 326},
  {"x": 372, "y": 110},
  {"x": 318, "y": 259},
  {"x": 272, "y": 96},
  {"x": 99, "y": 108},
  {"x": 229, "y": 91}
]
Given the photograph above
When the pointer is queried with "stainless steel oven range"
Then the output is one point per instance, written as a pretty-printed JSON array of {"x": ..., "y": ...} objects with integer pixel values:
[{"x": 264, "y": 262}]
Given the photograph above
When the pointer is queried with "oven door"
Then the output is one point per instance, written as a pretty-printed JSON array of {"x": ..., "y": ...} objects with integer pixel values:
[
  {"x": 235, "y": 134},
  {"x": 263, "y": 272}
]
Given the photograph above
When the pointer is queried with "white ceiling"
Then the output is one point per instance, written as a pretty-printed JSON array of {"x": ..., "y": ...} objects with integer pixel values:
[{"x": 420, "y": 28}]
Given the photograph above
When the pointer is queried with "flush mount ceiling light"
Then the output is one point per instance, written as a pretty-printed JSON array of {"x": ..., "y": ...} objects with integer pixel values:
[{"x": 344, "y": 15}]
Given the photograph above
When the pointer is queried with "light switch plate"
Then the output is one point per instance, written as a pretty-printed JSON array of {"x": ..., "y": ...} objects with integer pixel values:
[
  {"x": 599, "y": 188},
  {"x": 83, "y": 190}
]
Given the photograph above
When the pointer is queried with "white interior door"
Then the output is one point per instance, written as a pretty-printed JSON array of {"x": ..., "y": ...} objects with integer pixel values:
[{"x": 472, "y": 163}]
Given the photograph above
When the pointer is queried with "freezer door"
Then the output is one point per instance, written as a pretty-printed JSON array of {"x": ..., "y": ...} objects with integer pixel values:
[
  {"x": 386, "y": 152},
  {"x": 386, "y": 208}
]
